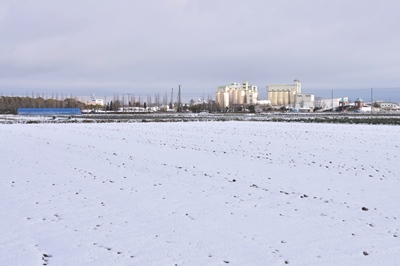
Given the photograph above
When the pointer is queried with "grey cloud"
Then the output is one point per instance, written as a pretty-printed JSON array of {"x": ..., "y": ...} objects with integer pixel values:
[{"x": 126, "y": 45}]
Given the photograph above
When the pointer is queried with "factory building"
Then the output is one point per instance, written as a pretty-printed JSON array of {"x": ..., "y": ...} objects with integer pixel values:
[
  {"x": 284, "y": 94},
  {"x": 304, "y": 100},
  {"x": 95, "y": 101},
  {"x": 236, "y": 94},
  {"x": 388, "y": 106}
]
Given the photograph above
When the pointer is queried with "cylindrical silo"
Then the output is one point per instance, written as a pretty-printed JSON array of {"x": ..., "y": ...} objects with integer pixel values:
[{"x": 280, "y": 98}]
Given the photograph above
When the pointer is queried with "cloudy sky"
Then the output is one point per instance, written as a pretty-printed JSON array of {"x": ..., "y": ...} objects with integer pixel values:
[{"x": 148, "y": 46}]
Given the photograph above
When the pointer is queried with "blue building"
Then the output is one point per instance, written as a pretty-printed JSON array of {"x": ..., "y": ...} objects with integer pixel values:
[{"x": 49, "y": 111}]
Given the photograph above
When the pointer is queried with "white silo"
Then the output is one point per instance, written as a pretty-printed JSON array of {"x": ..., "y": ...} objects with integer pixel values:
[
  {"x": 280, "y": 98},
  {"x": 241, "y": 96}
]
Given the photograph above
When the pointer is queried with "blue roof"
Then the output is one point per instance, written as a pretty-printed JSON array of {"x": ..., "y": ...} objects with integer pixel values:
[{"x": 49, "y": 111}]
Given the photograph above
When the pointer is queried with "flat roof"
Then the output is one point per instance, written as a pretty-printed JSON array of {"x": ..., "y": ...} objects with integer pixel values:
[{"x": 49, "y": 111}]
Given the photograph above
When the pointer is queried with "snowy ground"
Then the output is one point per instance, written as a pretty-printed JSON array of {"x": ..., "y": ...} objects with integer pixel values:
[{"x": 216, "y": 193}]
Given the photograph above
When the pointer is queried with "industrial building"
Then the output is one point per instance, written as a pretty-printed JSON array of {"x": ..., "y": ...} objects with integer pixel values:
[
  {"x": 283, "y": 94},
  {"x": 95, "y": 101},
  {"x": 304, "y": 101},
  {"x": 49, "y": 111},
  {"x": 332, "y": 103},
  {"x": 388, "y": 106},
  {"x": 236, "y": 94}
]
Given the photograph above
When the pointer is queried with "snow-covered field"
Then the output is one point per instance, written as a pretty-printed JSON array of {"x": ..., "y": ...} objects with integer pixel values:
[{"x": 216, "y": 193}]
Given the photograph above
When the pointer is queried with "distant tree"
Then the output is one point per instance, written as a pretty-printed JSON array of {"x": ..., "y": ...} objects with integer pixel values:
[
  {"x": 252, "y": 109},
  {"x": 194, "y": 108},
  {"x": 10, "y": 104},
  {"x": 283, "y": 109}
]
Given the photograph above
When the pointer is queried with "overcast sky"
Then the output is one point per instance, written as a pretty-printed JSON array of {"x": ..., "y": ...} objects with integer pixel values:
[{"x": 143, "y": 47}]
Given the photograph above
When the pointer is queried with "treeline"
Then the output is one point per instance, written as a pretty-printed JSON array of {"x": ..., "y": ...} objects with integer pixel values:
[{"x": 10, "y": 104}]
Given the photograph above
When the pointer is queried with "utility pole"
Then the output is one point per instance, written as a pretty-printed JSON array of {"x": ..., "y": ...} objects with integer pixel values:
[
  {"x": 332, "y": 99},
  {"x": 372, "y": 104},
  {"x": 179, "y": 100},
  {"x": 171, "y": 105}
]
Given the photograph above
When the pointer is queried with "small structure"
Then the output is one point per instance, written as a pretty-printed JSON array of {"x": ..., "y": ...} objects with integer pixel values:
[
  {"x": 327, "y": 104},
  {"x": 306, "y": 110},
  {"x": 389, "y": 106},
  {"x": 344, "y": 104},
  {"x": 49, "y": 111},
  {"x": 304, "y": 101},
  {"x": 343, "y": 101},
  {"x": 95, "y": 101},
  {"x": 359, "y": 104}
]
